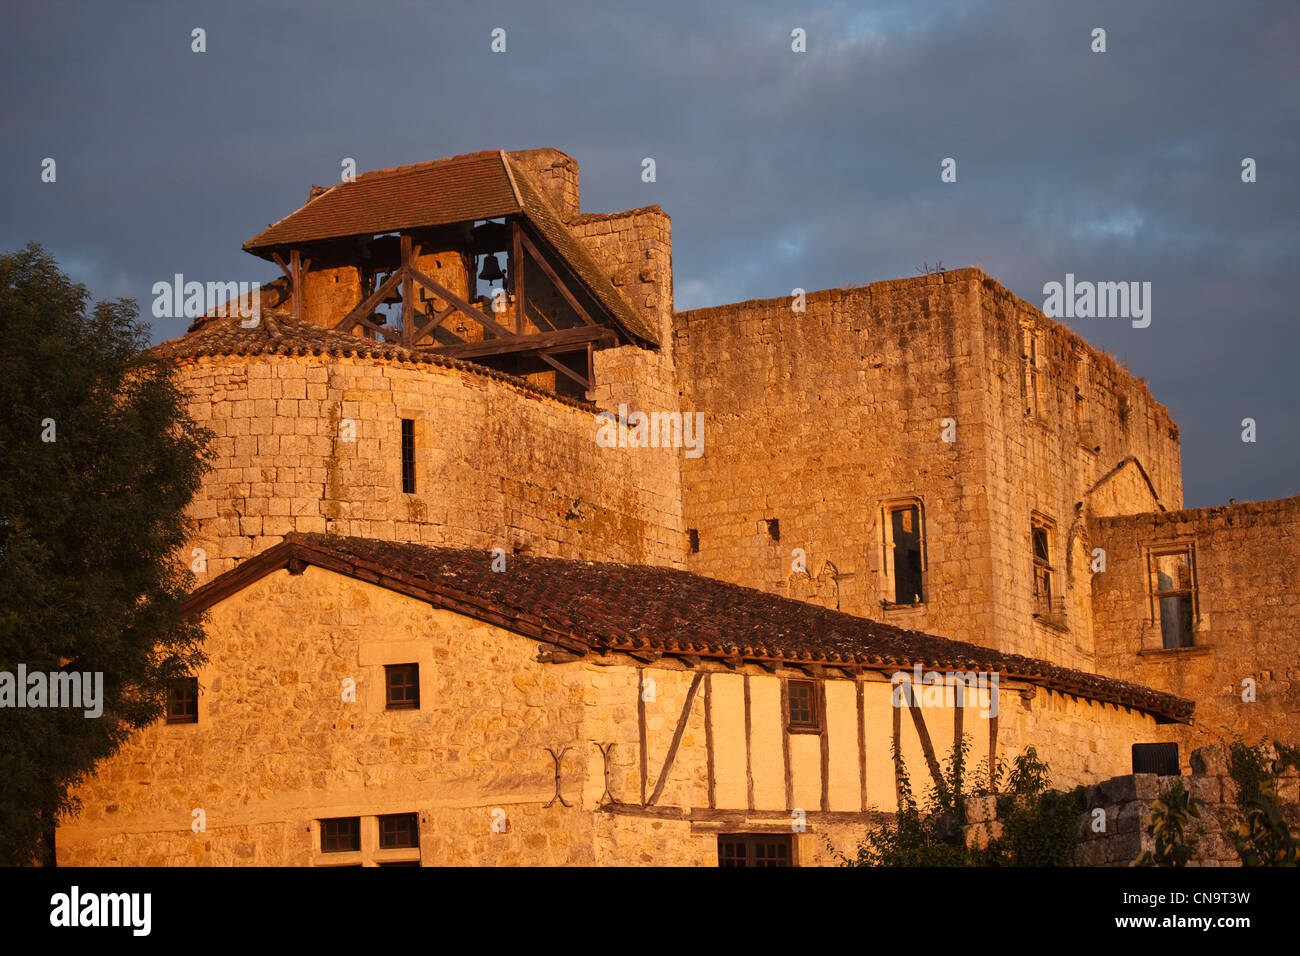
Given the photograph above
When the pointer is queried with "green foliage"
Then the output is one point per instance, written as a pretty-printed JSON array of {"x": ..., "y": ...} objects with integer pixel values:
[
  {"x": 1262, "y": 836},
  {"x": 1249, "y": 770},
  {"x": 1167, "y": 825},
  {"x": 1039, "y": 826},
  {"x": 91, "y": 526}
]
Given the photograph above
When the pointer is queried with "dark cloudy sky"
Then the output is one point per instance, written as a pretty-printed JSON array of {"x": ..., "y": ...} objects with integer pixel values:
[{"x": 779, "y": 169}]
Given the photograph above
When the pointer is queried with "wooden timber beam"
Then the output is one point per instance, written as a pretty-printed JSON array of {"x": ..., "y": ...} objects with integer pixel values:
[
  {"x": 408, "y": 292},
  {"x": 555, "y": 279},
  {"x": 361, "y": 314},
  {"x": 564, "y": 369},
  {"x": 578, "y": 338},
  {"x": 293, "y": 272},
  {"x": 677, "y": 738},
  {"x": 451, "y": 297},
  {"x": 428, "y": 327},
  {"x": 517, "y": 273}
]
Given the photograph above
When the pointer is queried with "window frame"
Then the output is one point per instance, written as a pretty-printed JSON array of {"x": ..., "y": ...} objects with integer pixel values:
[
  {"x": 184, "y": 716},
  {"x": 888, "y": 548},
  {"x": 414, "y": 821},
  {"x": 324, "y": 835},
  {"x": 1155, "y": 596},
  {"x": 750, "y": 841},
  {"x": 1043, "y": 568},
  {"x": 412, "y": 703},
  {"x": 408, "y": 456},
  {"x": 816, "y": 723}
]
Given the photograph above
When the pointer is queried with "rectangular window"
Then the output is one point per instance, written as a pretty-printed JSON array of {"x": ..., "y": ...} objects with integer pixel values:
[
  {"x": 1174, "y": 590},
  {"x": 399, "y": 831},
  {"x": 693, "y": 538},
  {"x": 905, "y": 542},
  {"x": 803, "y": 707},
  {"x": 408, "y": 456},
  {"x": 402, "y": 685},
  {"x": 183, "y": 701},
  {"x": 755, "y": 849},
  {"x": 340, "y": 835},
  {"x": 1045, "y": 602}
]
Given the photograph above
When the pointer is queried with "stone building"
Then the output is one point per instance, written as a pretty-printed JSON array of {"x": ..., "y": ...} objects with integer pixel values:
[{"x": 506, "y": 561}]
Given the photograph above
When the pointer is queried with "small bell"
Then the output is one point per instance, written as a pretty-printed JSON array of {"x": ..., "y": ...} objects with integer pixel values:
[{"x": 491, "y": 269}]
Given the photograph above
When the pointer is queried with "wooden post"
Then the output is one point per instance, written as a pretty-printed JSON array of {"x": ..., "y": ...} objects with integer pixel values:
[
  {"x": 295, "y": 271},
  {"x": 408, "y": 293},
  {"x": 517, "y": 274}
]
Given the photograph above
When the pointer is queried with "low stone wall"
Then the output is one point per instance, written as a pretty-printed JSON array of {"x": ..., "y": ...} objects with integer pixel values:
[{"x": 1128, "y": 802}]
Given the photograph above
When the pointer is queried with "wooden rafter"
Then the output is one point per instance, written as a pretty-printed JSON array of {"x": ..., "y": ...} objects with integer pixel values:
[
  {"x": 361, "y": 314},
  {"x": 555, "y": 279},
  {"x": 448, "y": 296}
]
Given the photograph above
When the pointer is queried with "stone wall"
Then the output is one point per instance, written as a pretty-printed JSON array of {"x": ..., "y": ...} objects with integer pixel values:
[
  {"x": 1247, "y": 560},
  {"x": 496, "y": 465},
  {"x": 635, "y": 247},
  {"x": 1128, "y": 801},
  {"x": 819, "y": 418}
]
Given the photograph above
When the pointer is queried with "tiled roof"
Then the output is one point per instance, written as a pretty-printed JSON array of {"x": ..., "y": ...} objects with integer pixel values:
[
  {"x": 473, "y": 186},
  {"x": 652, "y": 611},
  {"x": 460, "y": 189},
  {"x": 279, "y": 334}
]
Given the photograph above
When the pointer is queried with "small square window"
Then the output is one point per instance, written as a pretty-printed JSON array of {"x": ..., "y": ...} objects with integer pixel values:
[
  {"x": 340, "y": 835},
  {"x": 803, "y": 710},
  {"x": 183, "y": 701},
  {"x": 402, "y": 684},
  {"x": 399, "y": 831}
]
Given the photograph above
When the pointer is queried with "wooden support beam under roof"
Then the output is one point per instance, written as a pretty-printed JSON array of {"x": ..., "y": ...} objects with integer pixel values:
[{"x": 576, "y": 339}]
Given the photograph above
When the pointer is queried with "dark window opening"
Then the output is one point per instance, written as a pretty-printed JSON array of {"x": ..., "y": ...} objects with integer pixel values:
[
  {"x": 773, "y": 528},
  {"x": 755, "y": 849},
  {"x": 1156, "y": 758},
  {"x": 399, "y": 831},
  {"x": 693, "y": 537},
  {"x": 183, "y": 701},
  {"x": 408, "y": 456},
  {"x": 905, "y": 530},
  {"x": 803, "y": 715},
  {"x": 402, "y": 684},
  {"x": 340, "y": 835},
  {"x": 1046, "y": 604},
  {"x": 1174, "y": 595}
]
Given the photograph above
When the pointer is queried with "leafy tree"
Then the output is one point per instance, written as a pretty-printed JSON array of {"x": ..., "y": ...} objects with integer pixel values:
[
  {"x": 1039, "y": 826},
  {"x": 98, "y": 461}
]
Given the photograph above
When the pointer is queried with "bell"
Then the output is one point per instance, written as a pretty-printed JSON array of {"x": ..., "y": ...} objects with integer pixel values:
[{"x": 491, "y": 269}]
